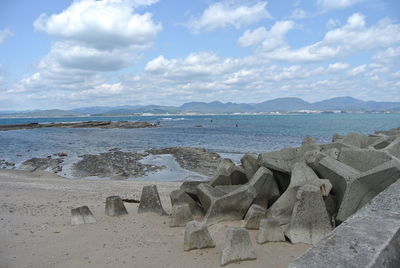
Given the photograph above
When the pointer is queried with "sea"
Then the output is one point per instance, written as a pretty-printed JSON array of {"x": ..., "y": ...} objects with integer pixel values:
[{"x": 229, "y": 135}]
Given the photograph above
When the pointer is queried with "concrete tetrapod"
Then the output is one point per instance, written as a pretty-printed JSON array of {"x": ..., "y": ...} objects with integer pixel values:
[
  {"x": 266, "y": 187},
  {"x": 363, "y": 188},
  {"x": 369, "y": 238},
  {"x": 302, "y": 175},
  {"x": 253, "y": 216},
  {"x": 197, "y": 236},
  {"x": 179, "y": 197},
  {"x": 190, "y": 187},
  {"x": 115, "y": 206},
  {"x": 231, "y": 206},
  {"x": 81, "y": 215},
  {"x": 150, "y": 201},
  {"x": 270, "y": 231},
  {"x": 238, "y": 246},
  {"x": 394, "y": 148},
  {"x": 362, "y": 159},
  {"x": 228, "y": 174},
  {"x": 208, "y": 194},
  {"x": 180, "y": 215},
  {"x": 250, "y": 164},
  {"x": 310, "y": 221},
  {"x": 285, "y": 159},
  {"x": 354, "y": 188}
]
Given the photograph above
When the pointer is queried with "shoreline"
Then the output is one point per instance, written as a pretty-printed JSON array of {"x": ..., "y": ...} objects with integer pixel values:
[
  {"x": 36, "y": 229},
  {"x": 87, "y": 124}
]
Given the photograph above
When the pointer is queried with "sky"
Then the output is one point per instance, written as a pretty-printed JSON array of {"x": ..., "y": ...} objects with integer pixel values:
[{"x": 66, "y": 54}]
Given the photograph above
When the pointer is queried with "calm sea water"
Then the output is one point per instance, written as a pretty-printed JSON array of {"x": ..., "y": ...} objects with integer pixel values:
[{"x": 230, "y": 135}]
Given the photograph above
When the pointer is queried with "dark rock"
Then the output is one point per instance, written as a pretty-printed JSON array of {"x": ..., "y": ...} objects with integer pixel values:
[
  {"x": 48, "y": 164},
  {"x": 114, "y": 164},
  {"x": 193, "y": 159}
]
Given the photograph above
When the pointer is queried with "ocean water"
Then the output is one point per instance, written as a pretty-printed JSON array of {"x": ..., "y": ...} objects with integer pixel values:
[{"x": 230, "y": 135}]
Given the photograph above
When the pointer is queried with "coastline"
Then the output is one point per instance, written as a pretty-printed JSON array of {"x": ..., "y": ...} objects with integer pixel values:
[{"x": 35, "y": 219}]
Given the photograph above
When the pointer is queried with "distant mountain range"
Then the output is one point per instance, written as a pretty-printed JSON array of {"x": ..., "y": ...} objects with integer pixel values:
[{"x": 346, "y": 104}]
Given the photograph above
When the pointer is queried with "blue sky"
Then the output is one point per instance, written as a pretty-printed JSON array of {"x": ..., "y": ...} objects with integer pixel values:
[{"x": 67, "y": 54}]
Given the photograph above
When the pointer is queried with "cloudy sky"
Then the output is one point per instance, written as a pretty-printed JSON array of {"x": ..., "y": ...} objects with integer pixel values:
[{"x": 67, "y": 54}]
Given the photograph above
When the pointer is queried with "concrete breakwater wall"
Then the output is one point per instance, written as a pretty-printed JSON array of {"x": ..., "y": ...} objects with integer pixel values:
[{"x": 369, "y": 238}]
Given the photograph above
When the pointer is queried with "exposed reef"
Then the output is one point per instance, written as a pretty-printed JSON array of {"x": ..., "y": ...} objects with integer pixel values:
[{"x": 87, "y": 124}]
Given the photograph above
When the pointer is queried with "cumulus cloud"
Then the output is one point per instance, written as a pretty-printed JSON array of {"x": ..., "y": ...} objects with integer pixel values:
[
  {"x": 389, "y": 55},
  {"x": 271, "y": 39},
  {"x": 4, "y": 34},
  {"x": 327, "y": 5},
  {"x": 101, "y": 24},
  {"x": 227, "y": 13},
  {"x": 332, "y": 23},
  {"x": 355, "y": 36},
  {"x": 195, "y": 65},
  {"x": 94, "y": 37},
  {"x": 298, "y": 13},
  {"x": 253, "y": 37}
]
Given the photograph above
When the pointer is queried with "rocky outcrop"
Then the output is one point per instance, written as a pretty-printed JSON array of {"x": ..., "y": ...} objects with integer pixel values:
[
  {"x": 193, "y": 159},
  {"x": 87, "y": 124},
  {"x": 47, "y": 164},
  {"x": 113, "y": 164}
]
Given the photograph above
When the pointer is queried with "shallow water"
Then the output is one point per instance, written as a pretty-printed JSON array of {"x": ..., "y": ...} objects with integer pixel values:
[{"x": 231, "y": 135}]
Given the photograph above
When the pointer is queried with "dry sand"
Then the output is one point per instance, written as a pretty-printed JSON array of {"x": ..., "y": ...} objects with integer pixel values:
[{"x": 35, "y": 229}]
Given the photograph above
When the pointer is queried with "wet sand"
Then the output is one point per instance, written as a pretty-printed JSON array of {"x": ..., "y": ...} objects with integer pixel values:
[{"x": 35, "y": 229}]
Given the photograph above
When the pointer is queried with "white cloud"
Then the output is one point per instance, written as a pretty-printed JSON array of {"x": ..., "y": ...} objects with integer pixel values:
[
  {"x": 332, "y": 23},
  {"x": 358, "y": 70},
  {"x": 101, "y": 24},
  {"x": 271, "y": 39},
  {"x": 338, "y": 66},
  {"x": 73, "y": 56},
  {"x": 4, "y": 34},
  {"x": 226, "y": 13},
  {"x": 349, "y": 39},
  {"x": 194, "y": 66},
  {"x": 253, "y": 37},
  {"x": 94, "y": 37},
  {"x": 396, "y": 74},
  {"x": 391, "y": 54},
  {"x": 327, "y": 5},
  {"x": 298, "y": 13}
]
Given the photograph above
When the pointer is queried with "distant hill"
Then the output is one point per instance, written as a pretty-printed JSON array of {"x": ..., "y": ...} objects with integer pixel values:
[
  {"x": 217, "y": 107},
  {"x": 283, "y": 104},
  {"x": 347, "y": 104}
]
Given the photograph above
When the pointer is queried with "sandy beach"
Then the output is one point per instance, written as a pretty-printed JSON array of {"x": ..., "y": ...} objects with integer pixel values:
[{"x": 36, "y": 229}]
